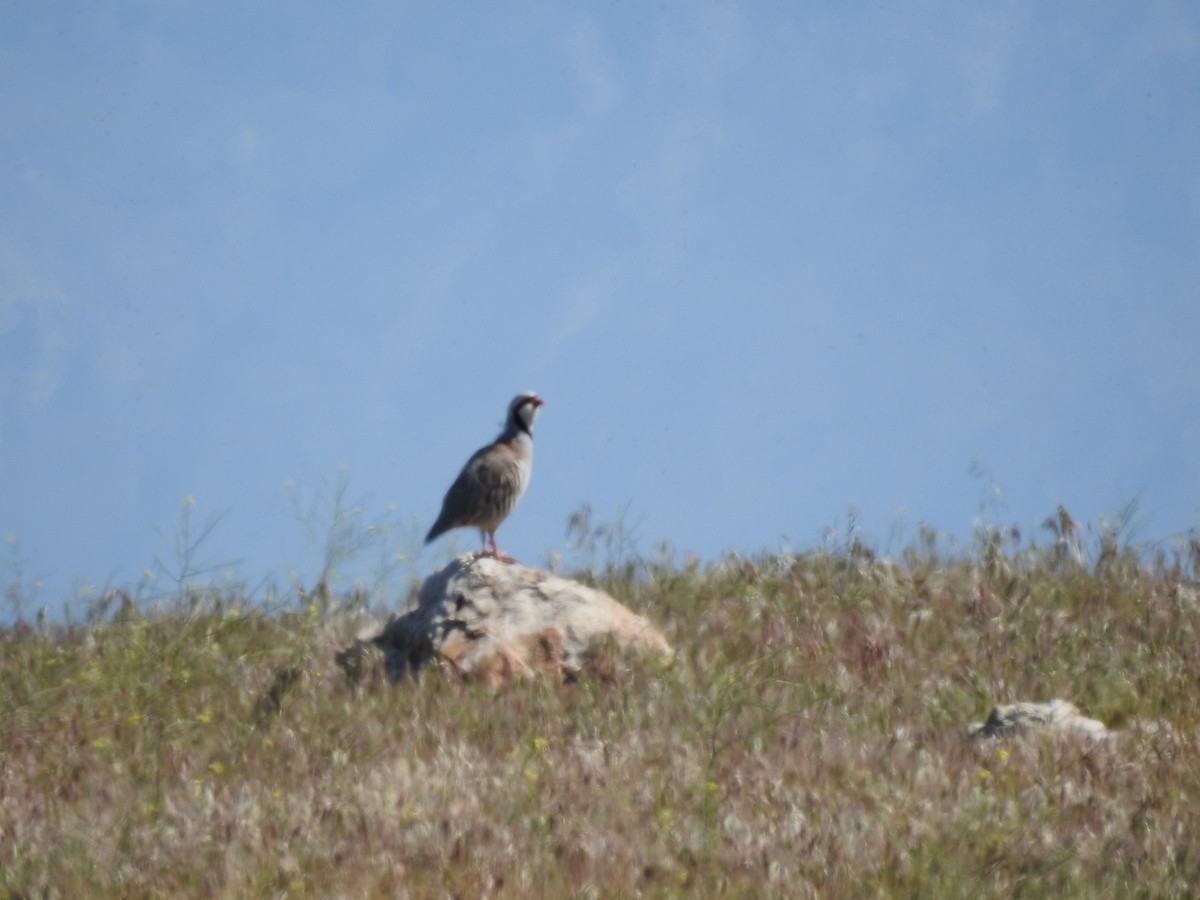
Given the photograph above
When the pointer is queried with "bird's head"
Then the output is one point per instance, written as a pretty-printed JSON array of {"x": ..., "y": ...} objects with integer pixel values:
[{"x": 523, "y": 410}]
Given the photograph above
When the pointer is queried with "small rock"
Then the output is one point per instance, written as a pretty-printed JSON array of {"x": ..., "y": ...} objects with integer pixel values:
[{"x": 1019, "y": 718}]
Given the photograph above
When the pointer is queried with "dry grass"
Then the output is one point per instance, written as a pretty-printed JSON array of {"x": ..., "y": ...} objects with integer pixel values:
[{"x": 805, "y": 742}]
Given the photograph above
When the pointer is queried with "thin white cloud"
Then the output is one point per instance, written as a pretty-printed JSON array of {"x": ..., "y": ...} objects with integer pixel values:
[
  {"x": 695, "y": 63},
  {"x": 409, "y": 340},
  {"x": 245, "y": 147},
  {"x": 657, "y": 193},
  {"x": 598, "y": 90},
  {"x": 583, "y": 303},
  {"x": 28, "y": 296},
  {"x": 596, "y": 93},
  {"x": 703, "y": 49},
  {"x": 987, "y": 51}
]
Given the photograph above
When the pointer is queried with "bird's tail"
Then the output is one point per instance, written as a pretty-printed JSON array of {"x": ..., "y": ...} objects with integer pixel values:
[{"x": 439, "y": 528}]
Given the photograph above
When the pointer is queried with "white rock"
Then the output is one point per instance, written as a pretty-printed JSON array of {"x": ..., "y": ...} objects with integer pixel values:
[
  {"x": 1057, "y": 715},
  {"x": 498, "y": 621}
]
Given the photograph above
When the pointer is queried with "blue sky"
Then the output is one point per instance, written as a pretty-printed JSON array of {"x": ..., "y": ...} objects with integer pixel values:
[{"x": 766, "y": 262}]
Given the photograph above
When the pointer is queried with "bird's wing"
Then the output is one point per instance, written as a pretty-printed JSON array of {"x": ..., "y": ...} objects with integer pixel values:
[{"x": 484, "y": 493}]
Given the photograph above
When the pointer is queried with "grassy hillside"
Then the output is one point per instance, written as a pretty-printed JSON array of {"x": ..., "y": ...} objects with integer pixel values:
[{"x": 806, "y": 741}]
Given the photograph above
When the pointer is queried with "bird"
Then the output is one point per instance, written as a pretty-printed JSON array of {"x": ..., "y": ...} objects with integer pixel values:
[{"x": 493, "y": 480}]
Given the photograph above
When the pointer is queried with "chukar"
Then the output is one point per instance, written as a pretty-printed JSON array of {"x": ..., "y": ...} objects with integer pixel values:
[{"x": 493, "y": 480}]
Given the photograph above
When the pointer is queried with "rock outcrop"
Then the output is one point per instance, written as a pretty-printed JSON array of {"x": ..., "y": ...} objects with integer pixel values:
[
  {"x": 1021, "y": 718},
  {"x": 498, "y": 621}
]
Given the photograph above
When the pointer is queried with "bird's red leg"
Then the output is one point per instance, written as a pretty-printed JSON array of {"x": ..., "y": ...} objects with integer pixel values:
[
  {"x": 496, "y": 552},
  {"x": 490, "y": 548}
]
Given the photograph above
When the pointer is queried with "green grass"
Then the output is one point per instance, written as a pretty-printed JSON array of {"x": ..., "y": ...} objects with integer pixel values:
[{"x": 806, "y": 741}]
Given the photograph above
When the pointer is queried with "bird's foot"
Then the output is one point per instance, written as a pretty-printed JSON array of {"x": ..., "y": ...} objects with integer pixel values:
[{"x": 498, "y": 555}]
